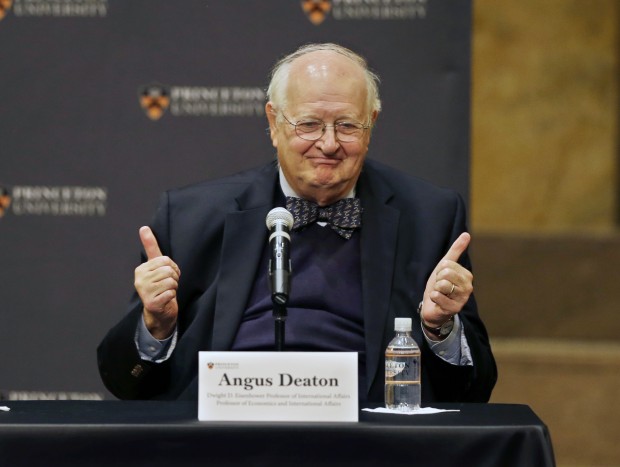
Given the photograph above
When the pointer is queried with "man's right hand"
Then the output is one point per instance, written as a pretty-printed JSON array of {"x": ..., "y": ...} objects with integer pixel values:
[{"x": 156, "y": 282}]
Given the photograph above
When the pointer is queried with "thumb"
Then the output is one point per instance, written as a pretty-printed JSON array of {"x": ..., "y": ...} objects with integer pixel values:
[
  {"x": 458, "y": 247},
  {"x": 149, "y": 242}
]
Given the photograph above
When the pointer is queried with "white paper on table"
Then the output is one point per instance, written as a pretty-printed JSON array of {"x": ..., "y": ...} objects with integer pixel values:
[
  {"x": 4, "y": 408},
  {"x": 420, "y": 411}
]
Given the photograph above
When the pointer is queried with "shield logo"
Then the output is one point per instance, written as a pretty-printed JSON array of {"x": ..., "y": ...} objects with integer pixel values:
[
  {"x": 5, "y": 6},
  {"x": 154, "y": 99},
  {"x": 316, "y": 10},
  {"x": 5, "y": 200}
]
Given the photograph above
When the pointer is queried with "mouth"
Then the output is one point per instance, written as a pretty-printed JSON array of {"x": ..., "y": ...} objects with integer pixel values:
[{"x": 324, "y": 160}]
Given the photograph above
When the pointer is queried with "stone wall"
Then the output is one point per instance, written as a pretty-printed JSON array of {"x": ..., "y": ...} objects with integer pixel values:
[
  {"x": 544, "y": 213},
  {"x": 545, "y": 115}
]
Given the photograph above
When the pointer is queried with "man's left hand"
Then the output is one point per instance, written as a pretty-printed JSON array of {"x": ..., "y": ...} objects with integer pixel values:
[{"x": 449, "y": 286}]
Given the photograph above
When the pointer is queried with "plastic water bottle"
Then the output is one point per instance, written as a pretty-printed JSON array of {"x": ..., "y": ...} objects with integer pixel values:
[{"x": 402, "y": 369}]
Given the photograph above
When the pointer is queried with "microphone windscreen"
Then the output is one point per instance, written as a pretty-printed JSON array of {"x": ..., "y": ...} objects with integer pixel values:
[{"x": 279, "y": 215}]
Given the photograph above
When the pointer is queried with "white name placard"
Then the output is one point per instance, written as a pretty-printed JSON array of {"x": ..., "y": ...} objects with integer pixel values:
[{"x": 277, "y": 386}]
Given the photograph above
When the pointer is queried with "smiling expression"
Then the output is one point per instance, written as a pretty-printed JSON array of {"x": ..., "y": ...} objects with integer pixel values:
[{"x": 322, "y": 85}]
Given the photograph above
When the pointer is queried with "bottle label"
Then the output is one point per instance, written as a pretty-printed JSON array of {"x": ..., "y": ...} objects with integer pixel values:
[
  {"x": 400, "y": 367},
  {"x": 393, "y": 368}
]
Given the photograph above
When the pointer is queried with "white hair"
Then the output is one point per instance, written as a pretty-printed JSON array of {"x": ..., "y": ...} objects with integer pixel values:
[{"x": 276, "y": 92}]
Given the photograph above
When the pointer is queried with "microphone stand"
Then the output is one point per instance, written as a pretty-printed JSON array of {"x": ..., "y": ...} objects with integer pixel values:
[
  {"x": 279, "y": 221},
  {"x": 279, "y": 316},
  {"x": 279, "y": 299}
]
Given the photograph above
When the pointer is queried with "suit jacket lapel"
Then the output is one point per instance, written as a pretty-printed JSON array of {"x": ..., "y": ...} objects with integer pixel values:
[
  {"x": 244, "y": 239},
  {"x": 378, "y": 249}
]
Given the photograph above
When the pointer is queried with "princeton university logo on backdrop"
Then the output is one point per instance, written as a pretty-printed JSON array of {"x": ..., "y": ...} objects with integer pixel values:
[
  {"x": 350, "y": 10},
  {"x": 53, "y": 200},
  {"x": 55, "y": 8},
  {"x": 155, "y": 100},
  {"x": 5, "y": 6}
]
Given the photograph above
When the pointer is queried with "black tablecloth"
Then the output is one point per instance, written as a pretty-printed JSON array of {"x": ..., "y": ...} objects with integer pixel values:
[{"x": 150, "y": 433}]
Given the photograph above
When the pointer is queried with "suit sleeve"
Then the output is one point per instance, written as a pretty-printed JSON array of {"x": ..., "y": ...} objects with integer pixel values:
[
  {"x": 453, "y": 383},
  {"x": 122, "y": 370}
]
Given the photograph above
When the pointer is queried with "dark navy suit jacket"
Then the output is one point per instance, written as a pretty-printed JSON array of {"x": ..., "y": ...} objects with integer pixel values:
[{"x": 215, "y": 231}]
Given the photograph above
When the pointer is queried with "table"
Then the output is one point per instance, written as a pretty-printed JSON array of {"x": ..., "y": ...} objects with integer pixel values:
[{"x": 157, "y": 433}]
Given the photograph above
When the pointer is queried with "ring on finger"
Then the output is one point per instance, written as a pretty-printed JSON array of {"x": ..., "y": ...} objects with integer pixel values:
[{"x": 451, "y": 291}]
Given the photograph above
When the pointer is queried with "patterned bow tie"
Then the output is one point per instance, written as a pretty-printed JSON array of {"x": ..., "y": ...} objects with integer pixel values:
[{"x": 343, "y": 216}]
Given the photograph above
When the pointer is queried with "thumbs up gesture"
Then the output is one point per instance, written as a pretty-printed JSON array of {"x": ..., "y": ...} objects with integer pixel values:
[
  {"x": 156, "y": 282},
  {"x": 449, "y": 286}
]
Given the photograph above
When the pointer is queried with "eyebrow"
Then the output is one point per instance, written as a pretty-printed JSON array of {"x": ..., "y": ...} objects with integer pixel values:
[{"x": 338, "y": 119}]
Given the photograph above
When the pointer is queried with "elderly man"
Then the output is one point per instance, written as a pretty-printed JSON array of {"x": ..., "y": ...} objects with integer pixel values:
[{"x": 204, "y": 285}]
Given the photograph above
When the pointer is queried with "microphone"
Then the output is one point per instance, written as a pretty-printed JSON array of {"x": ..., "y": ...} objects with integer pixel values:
[{"x": 279, "y": 222}]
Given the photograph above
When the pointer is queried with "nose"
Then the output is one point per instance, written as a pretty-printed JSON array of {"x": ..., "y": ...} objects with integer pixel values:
[{"x": 329, "y": 144}]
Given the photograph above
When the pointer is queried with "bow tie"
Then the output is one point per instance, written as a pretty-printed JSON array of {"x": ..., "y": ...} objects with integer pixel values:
[{"x": 343, "y": 216}]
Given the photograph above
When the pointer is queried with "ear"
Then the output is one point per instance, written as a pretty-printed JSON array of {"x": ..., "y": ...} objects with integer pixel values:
[
  {"x": 374, "y": 116},
  {"x": 270, "y": 111},
  {"x": 373, "y": 119}
]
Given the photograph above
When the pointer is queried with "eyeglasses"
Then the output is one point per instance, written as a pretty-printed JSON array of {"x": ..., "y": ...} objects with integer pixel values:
[{"x": 312, "y": 130}]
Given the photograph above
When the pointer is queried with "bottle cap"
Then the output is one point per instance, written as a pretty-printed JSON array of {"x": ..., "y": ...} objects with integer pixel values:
[{"x": 402, "y": 324}]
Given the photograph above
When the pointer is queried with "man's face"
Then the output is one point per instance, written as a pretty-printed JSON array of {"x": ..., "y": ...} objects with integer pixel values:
[{"x": 329, "y": 87}]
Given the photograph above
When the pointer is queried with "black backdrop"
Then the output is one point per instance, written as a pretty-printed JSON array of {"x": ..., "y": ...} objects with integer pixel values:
[{"x": 82, "y": 163}]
